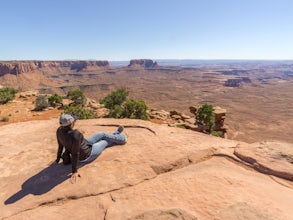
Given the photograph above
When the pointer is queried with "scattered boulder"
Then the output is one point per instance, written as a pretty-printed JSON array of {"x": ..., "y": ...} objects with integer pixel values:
[
  {"x": 98, "y": 109},
  {"x": 160, "y": 115},
  {"x": 220, "y": 116},
  {"x": 66, "y": 102},
  {"x": 174, "y": 119},
  {"x": 193, "y": 110},
  {"x": 26, "y": 94}
]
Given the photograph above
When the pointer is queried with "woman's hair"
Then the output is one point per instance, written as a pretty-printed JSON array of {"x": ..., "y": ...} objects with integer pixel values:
[{"x": 68, "y": 127}]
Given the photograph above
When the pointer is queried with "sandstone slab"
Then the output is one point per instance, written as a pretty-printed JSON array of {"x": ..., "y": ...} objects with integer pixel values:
[{"x": 161, "y": 173}]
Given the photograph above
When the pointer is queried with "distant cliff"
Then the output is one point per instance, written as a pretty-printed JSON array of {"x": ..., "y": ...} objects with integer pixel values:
[
  {"x": 145, "y": 63},
  {"x": 18, "y": 67}
]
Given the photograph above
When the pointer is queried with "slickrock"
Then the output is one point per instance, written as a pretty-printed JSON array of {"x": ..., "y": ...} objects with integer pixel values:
[
  {"x": 160, "y": 173},
  {"x": 268, "y": 157}
]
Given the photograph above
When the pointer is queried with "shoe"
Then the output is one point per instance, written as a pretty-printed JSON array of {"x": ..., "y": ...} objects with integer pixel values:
[
  {"x": 126, "y": 137},
  {"x": 120, "y": 129}
]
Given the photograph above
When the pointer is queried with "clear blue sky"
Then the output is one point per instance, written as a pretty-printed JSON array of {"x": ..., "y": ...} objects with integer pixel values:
[{"x": 156, "y": 29}]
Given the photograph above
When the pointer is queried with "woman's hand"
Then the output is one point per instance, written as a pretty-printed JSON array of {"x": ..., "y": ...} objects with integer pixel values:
[{"x": 74, "y": 177}]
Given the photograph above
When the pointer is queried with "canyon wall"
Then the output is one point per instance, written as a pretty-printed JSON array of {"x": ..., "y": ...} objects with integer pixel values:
[
  {"x": 19, "y": 67},
  {"x": 16, "y": 67}
]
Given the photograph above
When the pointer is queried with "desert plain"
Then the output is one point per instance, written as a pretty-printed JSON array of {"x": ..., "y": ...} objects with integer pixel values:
[{"x": 259, "y": 108}]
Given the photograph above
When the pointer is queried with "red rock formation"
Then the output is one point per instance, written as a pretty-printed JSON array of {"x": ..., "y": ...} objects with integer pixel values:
[
  {"x": 42, "y": 64},
  {"x": 145, "y": 63},
  {"x": 30, "y": 66},
  {"x": 16, "y": 67},
  {"x": 88, "y": 65}
]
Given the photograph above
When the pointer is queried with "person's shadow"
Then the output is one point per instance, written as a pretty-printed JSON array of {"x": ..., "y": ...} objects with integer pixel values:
[{"x": 42, "y": 182}]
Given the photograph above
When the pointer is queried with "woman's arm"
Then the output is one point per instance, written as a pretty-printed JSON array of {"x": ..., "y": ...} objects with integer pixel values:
[
  {"x": 77, "y": 137},
  {"x": 76, "y": 140},
  {"x": 60, "y": 148}
]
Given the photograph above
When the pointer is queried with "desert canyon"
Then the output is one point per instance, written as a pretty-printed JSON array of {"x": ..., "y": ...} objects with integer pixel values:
[{"x": 162, "y": 172}]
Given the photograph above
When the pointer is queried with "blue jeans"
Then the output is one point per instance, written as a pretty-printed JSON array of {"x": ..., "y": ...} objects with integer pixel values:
[{"x": 101, "y": 140}]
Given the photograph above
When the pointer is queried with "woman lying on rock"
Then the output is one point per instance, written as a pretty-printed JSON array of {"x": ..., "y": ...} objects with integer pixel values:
[{"x": 81, "y": 149}]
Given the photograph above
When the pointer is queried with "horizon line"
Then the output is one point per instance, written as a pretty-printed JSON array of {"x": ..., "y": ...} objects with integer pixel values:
[{"x": 154, "y": 59}]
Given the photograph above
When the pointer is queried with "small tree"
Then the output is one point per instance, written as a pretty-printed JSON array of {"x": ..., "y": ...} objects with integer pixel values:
[
  {"x": 115, "y": 98},
  {"x": 120, "y": 107},
  {"x": 206, "y": 116},
  {"x": 41, "y": 103},
  {"x": 77, "y": 97},
  {"x": 54, "y": 99},
  {"x": 135, "y": 110},
  {"x": 116, "y": 112},
  {"x": 7, "y": 94}
]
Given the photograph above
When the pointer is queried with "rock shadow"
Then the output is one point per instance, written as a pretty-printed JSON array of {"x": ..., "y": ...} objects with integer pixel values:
[{"x": 43, "y": 182}]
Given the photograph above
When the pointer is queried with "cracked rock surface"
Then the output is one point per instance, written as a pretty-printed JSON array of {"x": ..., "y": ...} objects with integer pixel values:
[{"x": 160, "y": 173}]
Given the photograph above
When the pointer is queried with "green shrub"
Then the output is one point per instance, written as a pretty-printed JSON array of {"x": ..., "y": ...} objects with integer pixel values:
[
  {"x": 7, "y": 94},
  {"x": 135, "y": 110},
  {"x": 116, "y": 112},
  {"x": 54, "y": 99},
  {"x": 79, "y": 111},
  {"x": 120, "y": 107},
  {"x": 41, "y": 103},
  {"x": 206, "y": 116},
  {"x": 180, "y": 126},
  {"x": 77, "y": 97},
  {"x": 217, "y": 133},
  {"x": 115, "y": 98}
]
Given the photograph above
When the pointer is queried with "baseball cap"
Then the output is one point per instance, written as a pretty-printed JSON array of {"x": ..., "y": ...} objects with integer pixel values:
[{"x": 67, "y": 119}]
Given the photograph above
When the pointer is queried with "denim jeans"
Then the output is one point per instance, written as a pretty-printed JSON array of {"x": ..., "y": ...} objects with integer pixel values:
[{"x": 101, "y": 140}]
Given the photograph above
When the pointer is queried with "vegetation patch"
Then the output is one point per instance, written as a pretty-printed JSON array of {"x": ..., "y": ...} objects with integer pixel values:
[
  {"x": 77, "y": 97},
  {"x": 54, "y": 100},
  {"x": 80, "y": 112},
  {"x": 217, "y": 133},
  {"x": 121, "y": 107},
  {"x": 7, "y": 94},
  {"x": 205, "y": 115},
  {"x": 41, "y": 103}
]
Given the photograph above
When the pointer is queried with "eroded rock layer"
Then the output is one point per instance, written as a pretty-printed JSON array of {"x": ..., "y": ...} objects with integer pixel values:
[{"x": 20, "y": 67}]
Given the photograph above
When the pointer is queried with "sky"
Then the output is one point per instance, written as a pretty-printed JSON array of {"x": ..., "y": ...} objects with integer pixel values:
[{"x": 117, "y": 30}]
